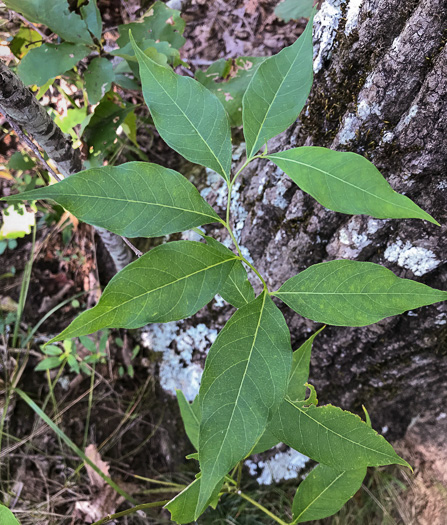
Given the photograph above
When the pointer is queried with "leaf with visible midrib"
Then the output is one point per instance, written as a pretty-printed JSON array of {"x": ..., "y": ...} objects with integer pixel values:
[
  {"x": 324, "y": 492},
  {"x": 353, "y": 293},
  {"x": 189, "y": 118},
  {"x": 277, "y": 92},
  {"x": 136, "y": 199},
  {"x": 244, "y": 380},
  {"x": 346, "y": 182},
  {"x": 171, "y": 282},
  {"x": 332, "y": 436}
]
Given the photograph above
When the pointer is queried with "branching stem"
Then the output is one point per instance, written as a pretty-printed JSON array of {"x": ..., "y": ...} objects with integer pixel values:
[
  {"x": 143, "y": 506},
  {"x": 260, "y": 507}
]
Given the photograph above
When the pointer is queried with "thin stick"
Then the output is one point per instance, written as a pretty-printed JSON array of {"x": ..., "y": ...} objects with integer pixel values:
[
  {"x": 135, "y": 250},
  {"x": 36, "y": 29},
  {"x": 24, "y": 138},
  {"x": 261, "y": 507},
  {"x": 144, "y": 506}
]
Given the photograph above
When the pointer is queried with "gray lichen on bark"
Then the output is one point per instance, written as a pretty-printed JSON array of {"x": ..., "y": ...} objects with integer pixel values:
[{"x": 381, "y": 92}]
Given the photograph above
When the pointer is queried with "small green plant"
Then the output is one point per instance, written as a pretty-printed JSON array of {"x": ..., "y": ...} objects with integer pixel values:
[{"x": 254, "y": 388}]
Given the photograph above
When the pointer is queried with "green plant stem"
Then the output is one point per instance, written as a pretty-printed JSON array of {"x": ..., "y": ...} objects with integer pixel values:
[
  {"x": 72, "y": 445},
  {"x": 260, "y": 507},
  {"x": 24, "y": 290},
  {"x": 143, "y": 506}
]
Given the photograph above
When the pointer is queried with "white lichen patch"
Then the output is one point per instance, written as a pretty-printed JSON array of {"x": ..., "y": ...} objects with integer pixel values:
[
  {"x": 353, "y": 238},
  {"x": 177, "y": 371},
  {"x": 326, "y": 23},
  {"x": 415, "y": 258},
  {"x": 348, "y": 129},
  {"x": 442, "y": 185},
  {"x": 352, "y": 16},
  {"x": 282, "y": 466}
]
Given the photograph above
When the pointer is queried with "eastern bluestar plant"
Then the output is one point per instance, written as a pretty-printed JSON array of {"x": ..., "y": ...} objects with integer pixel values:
[{"x": 254, "y": 386}]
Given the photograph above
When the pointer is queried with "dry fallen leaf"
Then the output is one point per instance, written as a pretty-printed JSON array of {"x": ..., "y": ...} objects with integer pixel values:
[{"x": 93, "y": 455}]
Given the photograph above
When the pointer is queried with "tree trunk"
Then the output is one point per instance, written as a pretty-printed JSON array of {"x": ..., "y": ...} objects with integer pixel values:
[
  {"x": 380, "y": 90},
  {"x": 19, "y": 104}
]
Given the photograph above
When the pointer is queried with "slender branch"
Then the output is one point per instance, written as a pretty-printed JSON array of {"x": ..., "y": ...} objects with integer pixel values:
[
  {"x": 256, "y": 272},
  {"x": 32, "y": 26},
  {"x": 260, "y": 507},
  {"x": 135, "y": 250},
  {"x": 24, "y": 138},
  {"x": 144, "y": 506}
]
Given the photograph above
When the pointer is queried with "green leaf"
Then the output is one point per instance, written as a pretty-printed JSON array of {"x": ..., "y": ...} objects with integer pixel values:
[
  {"x": 353, "y": 293},
  {"x": 56, "y": 15},
  {"x": 324, "y": 492},
  {"x": 183, "y": 506},
  {"x": 228, "y": 80},
  {"x": 265, "y": 442},
  {"x": 7, "y": 517},
  {"x": 92, "y": 17},
  {"x": 332, "y": 436},
  {"x": 244, "y": 380},
  {"x": 171, "y": 282},
  {"x": 100, "y": 133},
  {"x": 98, "y": 78},
  {"x": 148, "y": 45},
  {"x": 57, "y": 59},
  {"x": 293, "y": 9},
  {"x": 51, "y": 350},
  {"x": 24, "y": 40},
  {"x": 161, "y": 24},
  {"x": 277, "y": 92},
  {"x": 189, "y": 118},
  {"x": 296, "y": 389},
  {"x": 136, "y": 199},
  {"x": 237, "y": 289},
  {"x": 48, "y": 364},
  {"x": 190, "y": 413},
  {"x": 346, "y": 182}
]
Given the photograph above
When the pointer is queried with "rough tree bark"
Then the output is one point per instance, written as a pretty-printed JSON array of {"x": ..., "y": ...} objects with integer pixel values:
[
  {"x": 380, "y": 90},
  {"x": 19, "y": 104}
]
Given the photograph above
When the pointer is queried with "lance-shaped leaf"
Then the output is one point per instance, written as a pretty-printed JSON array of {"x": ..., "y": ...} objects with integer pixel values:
[
  {"x": 136, "y": 199},
  {"x": 277, "y": 92},
  {"x": 244, "y": 380},
  {"x": 171, "y": 282},
  {"x": 190, "y": 413},
  {"x": 183, "y": 506},
  {"x": 189, "y": 118},
  {"x": 353, "y": 293},
  {"x": 324, "y": 492},
  {"x": 346, "y": 182},
  {"x": 296, "y": 389},
  {"x": 56, "y": 15},
  {"x": 332, "y": 436},
  {"x": 57, "y": 59},
  {"x": 237, "y": 289}
]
